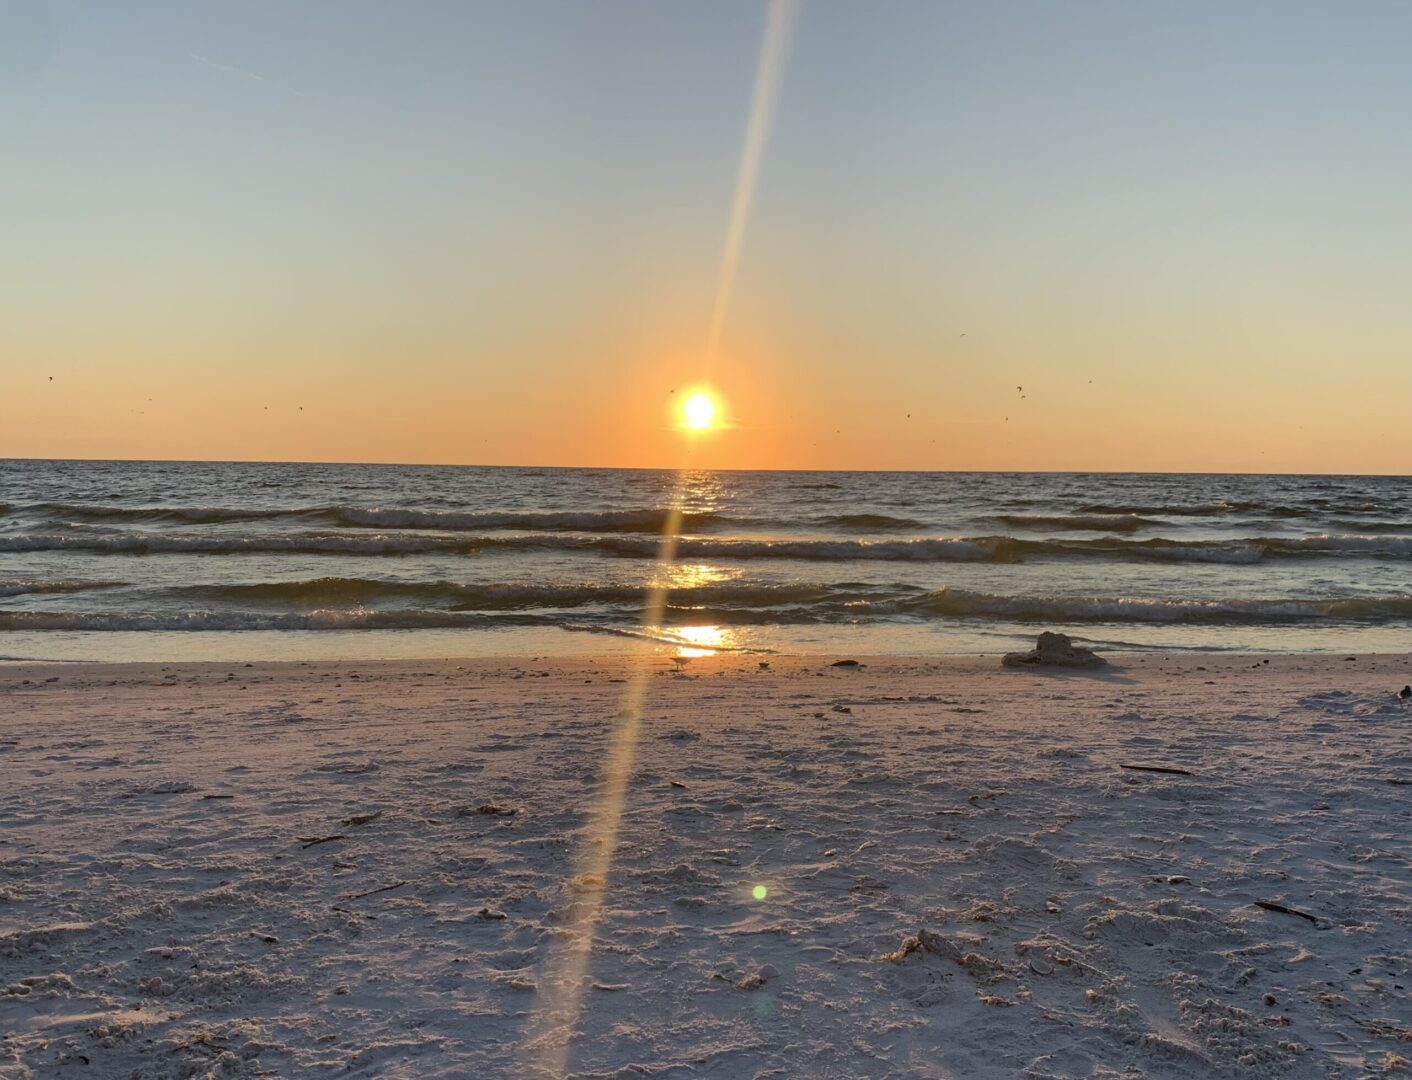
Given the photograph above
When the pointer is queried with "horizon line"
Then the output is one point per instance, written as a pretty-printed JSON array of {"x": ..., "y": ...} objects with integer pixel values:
[{"x": 659, "y": 468}]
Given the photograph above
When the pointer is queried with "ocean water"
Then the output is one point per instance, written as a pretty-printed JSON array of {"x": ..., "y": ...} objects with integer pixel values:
[{"x": 183, "y": 560}]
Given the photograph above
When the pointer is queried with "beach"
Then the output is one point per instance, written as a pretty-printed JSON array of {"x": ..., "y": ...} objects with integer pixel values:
[{"x": 912, "y": 867}]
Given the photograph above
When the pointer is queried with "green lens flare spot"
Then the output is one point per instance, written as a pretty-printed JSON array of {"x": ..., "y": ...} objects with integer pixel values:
[{"x": 759, "y": 892}]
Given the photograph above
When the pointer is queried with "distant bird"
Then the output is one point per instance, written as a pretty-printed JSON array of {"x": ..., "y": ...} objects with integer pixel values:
[
  {"x": 1019, "y": 389},
  {"x": 963, "y": 334},
  {"x": 51, "y": 378},
  {"x": 1405, "y": 694}
]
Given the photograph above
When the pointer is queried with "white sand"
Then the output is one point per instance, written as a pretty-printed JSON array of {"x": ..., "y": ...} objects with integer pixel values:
[{"x": 1104, "y": 918}]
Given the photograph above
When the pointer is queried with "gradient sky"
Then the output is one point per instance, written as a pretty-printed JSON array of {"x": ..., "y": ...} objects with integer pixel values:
[{"x": 490, "y": 233}]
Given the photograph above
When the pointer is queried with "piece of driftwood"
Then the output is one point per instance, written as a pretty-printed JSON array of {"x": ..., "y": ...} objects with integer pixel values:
[
  {"x": 1158, "y": 768},
  {"x": 489, "y": 809},
  {"x": 218, "y": 796},
  {"x": 374, "y": 892},
  {"x": 310, "y": 841},
  {"x": 361, "y": 819},
  {"x": 925, "y": 941},
  {"x": 1270, "y": 905}
]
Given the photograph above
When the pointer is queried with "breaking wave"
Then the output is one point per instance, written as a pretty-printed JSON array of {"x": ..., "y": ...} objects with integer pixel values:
[
  {"x": 340, "y": 591},
  {"x": 1218, "y": 508},
  {"x": 1062, "y": 609},
  {"x": 617, "y": 610},
  {"x": 998, "y": 549},
  {"x": 24, "y": 587},
  {"x": 1088, "y": 522},
  {"x": 879, "y": 522},
  {"x": 355, "y": 619},
  {"x": 377, "y": 517}
]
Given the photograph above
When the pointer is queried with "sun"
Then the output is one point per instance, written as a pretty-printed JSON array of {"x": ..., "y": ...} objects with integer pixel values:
[{"x": 699, "y": 412}]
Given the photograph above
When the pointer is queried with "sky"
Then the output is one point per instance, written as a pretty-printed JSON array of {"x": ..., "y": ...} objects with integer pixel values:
[{"x": 492, "y": 233}]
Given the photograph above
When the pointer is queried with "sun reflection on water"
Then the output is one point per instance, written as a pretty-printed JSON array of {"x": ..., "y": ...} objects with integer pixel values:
[
  {"x": 678, "y": 576},
  {"x": 704, "y": 640}
]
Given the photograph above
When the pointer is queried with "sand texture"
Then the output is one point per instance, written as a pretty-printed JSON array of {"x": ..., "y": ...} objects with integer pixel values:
[{"x": 362, "y": 870}]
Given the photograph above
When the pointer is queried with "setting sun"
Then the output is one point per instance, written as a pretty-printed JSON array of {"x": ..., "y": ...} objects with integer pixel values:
[{"x": 699, "y": 412}]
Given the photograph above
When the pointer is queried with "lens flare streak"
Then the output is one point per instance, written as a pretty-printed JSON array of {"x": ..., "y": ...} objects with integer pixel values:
[
  {"x": 774, "y": 52},
  {"x": 561, "y": 988}
]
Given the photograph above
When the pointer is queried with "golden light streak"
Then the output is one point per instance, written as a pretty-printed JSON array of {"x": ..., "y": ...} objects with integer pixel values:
[
  {"x": 561, "y": 988},
  {"x": 774, "y": 51}
]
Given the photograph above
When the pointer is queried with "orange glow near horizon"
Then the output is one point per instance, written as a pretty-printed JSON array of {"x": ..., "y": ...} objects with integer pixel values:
[{"x": 960, "y": 414}]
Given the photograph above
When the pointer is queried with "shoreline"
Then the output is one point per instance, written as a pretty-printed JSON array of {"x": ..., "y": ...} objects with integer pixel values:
[
  {"x": 665, "y": 656},
  {"x": 428, "y": 646},
  {"x": 227, "y": 868}
]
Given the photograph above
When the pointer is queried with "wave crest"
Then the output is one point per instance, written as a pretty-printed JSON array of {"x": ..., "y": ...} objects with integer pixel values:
[
  {"x": 878, "y": 522},
  {"x": 378, "y": 517},
  {"x": 943, "y": 549},
  {"x": 24, "y": 587},
  {"x": 1124, "y": 523},
  {"x": 1062, "y": 609}
]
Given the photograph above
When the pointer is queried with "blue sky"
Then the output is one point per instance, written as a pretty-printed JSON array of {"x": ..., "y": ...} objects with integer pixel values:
[{"x": 516, "y": 209}]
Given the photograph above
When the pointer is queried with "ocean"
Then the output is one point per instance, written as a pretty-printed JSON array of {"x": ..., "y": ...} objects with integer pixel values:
[{"x": 114, "y": 560}]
